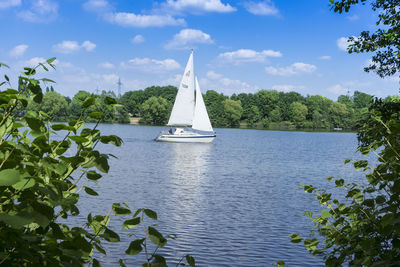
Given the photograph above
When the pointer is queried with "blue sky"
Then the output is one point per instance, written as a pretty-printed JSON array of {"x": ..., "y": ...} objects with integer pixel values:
[{"x": 240, "y": 46}]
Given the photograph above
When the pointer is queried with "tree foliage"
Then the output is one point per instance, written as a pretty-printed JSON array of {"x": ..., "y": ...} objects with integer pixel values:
[
  {"x": 384, "y": 42},
  {"x": 44, "y": 167},
  {"x": 155, "y": 111},
  {"x": 363, "y": 227}
]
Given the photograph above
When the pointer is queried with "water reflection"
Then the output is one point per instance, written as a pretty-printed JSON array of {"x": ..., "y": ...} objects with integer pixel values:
[{"x": 188, "y": 174}]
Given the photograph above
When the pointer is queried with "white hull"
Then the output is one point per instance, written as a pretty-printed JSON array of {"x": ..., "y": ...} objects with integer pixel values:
[{"x": 189, "y": 138}]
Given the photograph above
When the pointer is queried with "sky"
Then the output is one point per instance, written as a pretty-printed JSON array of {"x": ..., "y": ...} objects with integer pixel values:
[{"x": 239, "y": 46}]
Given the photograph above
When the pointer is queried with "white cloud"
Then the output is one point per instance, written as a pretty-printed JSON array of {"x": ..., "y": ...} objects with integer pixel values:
[
  {"x": 197, "y": 6},
  {"x": 33, "y": 62},
  {"x": 338, "y": 89},
  {"x": 110, "y": 78},
  {"x": 247, "y": 55},
  {"x": 353, "y": 17},
  {"x": 151, "y": 65},
  {"x": 325, "y": 57},
  {"x": 266, "y": 8},
  {"x": 343, "y": 43},
  {"x": 143, "y": 21},
  {"x": 287, "y": 87},
  {"x": 41, "y": 11},
  {"x": 107, "y": 65},
  {"x": 68, "y": 47},
  {"x": 98, "y": 6},
  {"x": 127, "y": 19},
  {"x": 88, "y": 46},
  {"x": 173, "y": 80},
  {"x": 9, "y": 3},
  {"x": 295, "y": 68},
  {"x": 219, "y": 83},
  {"x": 188, "y": 38},
  {"x": 18, "y": 51},
  {"x": 138, "y": 39}
]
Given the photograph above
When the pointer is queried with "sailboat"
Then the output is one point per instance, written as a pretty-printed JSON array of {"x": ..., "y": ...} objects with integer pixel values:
[{"x": 189, "y": 121}]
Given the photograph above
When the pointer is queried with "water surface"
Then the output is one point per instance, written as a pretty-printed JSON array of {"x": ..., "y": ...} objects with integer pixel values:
[{"x": 231, "y": 203}]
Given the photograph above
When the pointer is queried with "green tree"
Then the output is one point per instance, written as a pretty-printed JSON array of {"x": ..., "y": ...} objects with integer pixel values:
[
  {"x": 266, "y": 100},
  {"x": 276, "y": 115},
  {"x": 233, "y": 112},
  {"x": 338, "y": 115},
  {"x": 215, "y": 107},
  {"x": 155, "y": 111},
  {"x": 285, "y": 99},
  {"x": 132, "y": 101},
  {"x": 361, "y": 100},
  {"x": 345, "y": 99},
  {"x": 54, "y": 105},
  {"x": 299, "y": 113},
  {"x": 253, "y": 115}
]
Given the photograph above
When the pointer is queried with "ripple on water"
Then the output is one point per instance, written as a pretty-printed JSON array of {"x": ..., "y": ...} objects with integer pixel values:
[{"x": 230, "y": 203}]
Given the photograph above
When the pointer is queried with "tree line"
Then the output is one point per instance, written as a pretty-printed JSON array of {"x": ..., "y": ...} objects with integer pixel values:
[
  {"x": 268, "y": 109},
  {"x": 265, "y": 109}
]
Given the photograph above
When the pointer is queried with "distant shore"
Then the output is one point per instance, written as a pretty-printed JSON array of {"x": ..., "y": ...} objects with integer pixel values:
[{"x": 135, "y": 121}]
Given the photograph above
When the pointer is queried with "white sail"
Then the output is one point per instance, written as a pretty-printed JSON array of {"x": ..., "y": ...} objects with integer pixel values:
[
  {"x": 182, "y": 111},
  {"x": 201, "y": 121}
]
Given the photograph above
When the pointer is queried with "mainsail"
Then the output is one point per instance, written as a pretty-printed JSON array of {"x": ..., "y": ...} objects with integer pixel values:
[
  {"x": 201, "y": 121},
  {"x": 182, "y": 112}
]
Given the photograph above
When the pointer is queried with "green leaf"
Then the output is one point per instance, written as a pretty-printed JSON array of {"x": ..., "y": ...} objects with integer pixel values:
[
  {"x": 24, "y": 184},
  {"x": 121, "y": 263},
  {"x": 90, "y": 191},
  {"x": 44, "y": 67},
  {"x": 18, "y": 220},
  {"x": 58, "y": 127},
  {"x": 48, "y": 80},
  {"x": 118, "y": 210},
  {"x": 89, "y": 102},
  {"x": 151, "y": 214},
  {"x": 135, "y": 247},
  {"x": 92, "y": 175},
  {"x": 9, "y": 177},
  {"x": 280, "y": 263},
  {"x": 156, "y": 237},
  {"x": 137, "y": 212},
  {"x": 34, "y": 123},
  {"x": 96, "y": 115},
  {"x": 109, "y": 100},
  {"x": 113, "y": 139},
  {"x": 100, "y": 249},
  {"x": 325, "y": 214},
  {"x": 311, "y": 244},
  {"x": 50, "y": 60},
  {"x": 78, "y": 139},
  {"x": 296, "y": 238},
  {"x": 96, "y": 263},
  {"x": 131, "y": 223},
  {"x": 2, "y": 64},
  {"x": 101, "y": 163},
  {"x": 110, "y": 235},
  {"x": 190, "y": 260}
]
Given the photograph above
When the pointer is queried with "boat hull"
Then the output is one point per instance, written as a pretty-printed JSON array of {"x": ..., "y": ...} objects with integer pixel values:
[{"x": 186, "y": 138}]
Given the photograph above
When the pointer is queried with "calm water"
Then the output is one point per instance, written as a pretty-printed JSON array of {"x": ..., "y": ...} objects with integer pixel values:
[{"x": 231, "y": 203}]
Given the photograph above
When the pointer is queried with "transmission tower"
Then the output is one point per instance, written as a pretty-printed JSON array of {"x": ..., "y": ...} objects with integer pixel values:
[{"x": 119, "y": 87}]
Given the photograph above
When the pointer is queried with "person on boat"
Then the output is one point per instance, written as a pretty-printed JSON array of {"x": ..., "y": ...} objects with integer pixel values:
[{"x": 170, "y": 131}]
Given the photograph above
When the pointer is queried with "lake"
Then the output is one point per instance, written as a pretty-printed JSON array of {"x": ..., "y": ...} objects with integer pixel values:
[{"x": 231, "y": 203}]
